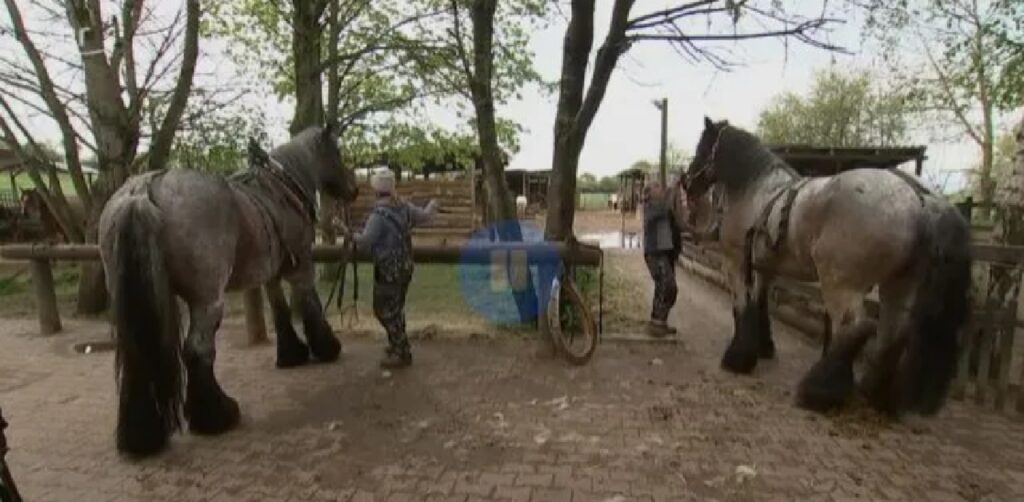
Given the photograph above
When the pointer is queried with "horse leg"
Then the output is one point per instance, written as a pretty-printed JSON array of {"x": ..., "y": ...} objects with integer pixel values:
[
  {"x": 325, "y": 346},
  {"x": 207, "y": 408},
  {"x": 877, "y": 383},
  {"x": 830, "y": 382},
  {"x": 766, "y": 347},
  {"x": 291, "y": 351},
  {"x": 751, "y": 324}
]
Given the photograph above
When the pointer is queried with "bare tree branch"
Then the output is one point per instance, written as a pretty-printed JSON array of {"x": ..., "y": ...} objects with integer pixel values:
[
  {"x": 164, "y": 138},
  {"x": 57, "y": 110}
]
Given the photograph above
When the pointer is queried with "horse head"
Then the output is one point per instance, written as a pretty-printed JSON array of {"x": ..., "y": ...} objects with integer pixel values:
[
  {"x": 314, "y": 156},
  {"x": 703, "y": 171},
  {"x": 335, "y": 179}
]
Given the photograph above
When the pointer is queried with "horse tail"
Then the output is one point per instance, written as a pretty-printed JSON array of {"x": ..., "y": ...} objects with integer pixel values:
[
  {"x": 148, "y": 358},
  {"x": 941, "y": 308}
]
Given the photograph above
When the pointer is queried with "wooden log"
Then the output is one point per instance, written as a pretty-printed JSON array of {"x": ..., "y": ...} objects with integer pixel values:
[
  {"x": 46, "y": 296},
  {"x": 255, "y": 320},
  {"x": 576, "y": 254},
  {"x": 62, "y": 252}
]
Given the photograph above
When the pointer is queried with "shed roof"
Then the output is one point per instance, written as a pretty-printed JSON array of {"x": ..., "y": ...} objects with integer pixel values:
[{"x": 820, "y": 160}]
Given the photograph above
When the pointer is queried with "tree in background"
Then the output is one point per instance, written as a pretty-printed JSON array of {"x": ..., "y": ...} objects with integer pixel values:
[
  {"x": 842, "y": 109},
  {"x": 123, "y": 87},
  {"x": 692, "y": 28},
  {"x": 589, "y": 183},
  {"x": 483, "y": 56},
  {"x": 961, "y": 60},
  {"x": 215, "y": 140}
]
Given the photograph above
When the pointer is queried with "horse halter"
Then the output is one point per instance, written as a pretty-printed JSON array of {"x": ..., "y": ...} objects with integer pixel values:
[{"x": 709, "y": 164}]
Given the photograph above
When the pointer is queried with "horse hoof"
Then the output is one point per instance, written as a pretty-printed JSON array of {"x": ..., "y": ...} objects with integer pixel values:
[
  {"x": 142, "y": 440},
  {"x": 214, "y": 417},
  {"x": 739, "y": 361},
  {"x": 292, "y": 355},
  {"x": 827, "y": 386},
  {"x": 326, "y": 348}
]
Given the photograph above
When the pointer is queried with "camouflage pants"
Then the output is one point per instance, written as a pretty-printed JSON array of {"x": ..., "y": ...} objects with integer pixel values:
[
  {"x": 662, "y": 267},
  {"x": 389, "y": 290}
]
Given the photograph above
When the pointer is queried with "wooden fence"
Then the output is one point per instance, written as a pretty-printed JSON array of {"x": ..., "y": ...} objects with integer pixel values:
[
  {"x": 991, "y": 366},
  {"x": 41, "y": 256}
]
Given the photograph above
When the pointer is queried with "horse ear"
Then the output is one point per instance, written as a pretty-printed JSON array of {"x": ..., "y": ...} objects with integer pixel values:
[{"x": 708, "y": 124}]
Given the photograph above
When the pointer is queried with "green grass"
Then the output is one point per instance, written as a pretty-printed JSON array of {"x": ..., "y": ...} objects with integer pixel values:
[
  {"x": 436, "y": 297},
  {"x": 25, "y": 182}
]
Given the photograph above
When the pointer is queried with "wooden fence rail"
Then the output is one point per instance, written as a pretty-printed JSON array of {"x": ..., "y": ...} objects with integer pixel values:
[
  {"x": 990, "y": 354},
  {"x": 41, "y": 256}
]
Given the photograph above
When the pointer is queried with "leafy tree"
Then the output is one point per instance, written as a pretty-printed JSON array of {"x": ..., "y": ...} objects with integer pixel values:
[
  {"x": 969, "y": 72},
  {"x": 215, "y": 140},
  {"x": 373, "y": 67},
  {"x": 692, "y": 28},
  {"x": 842, "y": 109},
  {"x": 112, "y": 82}
]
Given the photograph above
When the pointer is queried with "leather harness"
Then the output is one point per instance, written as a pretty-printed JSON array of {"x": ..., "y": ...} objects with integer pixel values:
[{"x": 791, "y": 190}]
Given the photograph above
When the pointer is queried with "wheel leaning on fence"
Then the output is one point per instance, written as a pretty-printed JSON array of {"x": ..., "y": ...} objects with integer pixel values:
[{"x": 570, "y": 322}]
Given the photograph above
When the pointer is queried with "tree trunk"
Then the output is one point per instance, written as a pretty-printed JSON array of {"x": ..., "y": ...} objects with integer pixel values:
[
  {"x": 307, "y": 31},
  {"x": 562, "y": 191},
  {"x": 576, "y": 108},
  {"x": 92, "y": 290},
  {"x": 499, "y": 199},
  {"x": 986, "y": 184}
]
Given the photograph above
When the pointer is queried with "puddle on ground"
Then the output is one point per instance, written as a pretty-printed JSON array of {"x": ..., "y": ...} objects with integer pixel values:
[{"x": 609, "y": 240}]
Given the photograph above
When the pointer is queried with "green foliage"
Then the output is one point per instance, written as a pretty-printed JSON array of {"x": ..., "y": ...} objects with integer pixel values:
[
  {"x": 843, "y": 109},
  {"x": 395, "y": 59},
  {"x": 215, "y": 140},
  {"x": 951, "y": 54},
  {"x": 1004, "y": 151},
  {"x": 589, "y": 183}
]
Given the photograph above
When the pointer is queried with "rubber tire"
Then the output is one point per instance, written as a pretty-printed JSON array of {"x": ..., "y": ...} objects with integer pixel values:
[{"x": 560, "y": 286}]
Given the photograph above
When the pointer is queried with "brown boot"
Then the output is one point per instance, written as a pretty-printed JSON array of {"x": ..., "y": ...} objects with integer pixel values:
[{"x": 659, "y": 329}]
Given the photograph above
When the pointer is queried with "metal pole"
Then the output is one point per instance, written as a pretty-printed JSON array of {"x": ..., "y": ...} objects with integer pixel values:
[{"x": 663, "y": 106}]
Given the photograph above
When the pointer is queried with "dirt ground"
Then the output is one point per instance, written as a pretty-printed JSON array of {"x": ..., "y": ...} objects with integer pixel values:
[{"x": 489, "y": 416}]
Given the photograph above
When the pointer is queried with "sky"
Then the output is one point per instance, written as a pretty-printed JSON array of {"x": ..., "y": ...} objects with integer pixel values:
[{"x": 627, "y": 126}]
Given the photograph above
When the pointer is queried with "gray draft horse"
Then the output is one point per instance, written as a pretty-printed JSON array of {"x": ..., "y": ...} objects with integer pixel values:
[
  {"x": 185, "y": 234},
  {"x": 850, "y": 232}
]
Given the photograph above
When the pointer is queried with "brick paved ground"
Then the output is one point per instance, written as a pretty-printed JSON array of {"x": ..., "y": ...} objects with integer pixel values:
[{"x": 487, "y": 420}]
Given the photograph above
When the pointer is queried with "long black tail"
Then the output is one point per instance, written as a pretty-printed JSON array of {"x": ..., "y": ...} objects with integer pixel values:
[
  {"x": 940, "y": 310},
  {"x": 148, "y": 363}
]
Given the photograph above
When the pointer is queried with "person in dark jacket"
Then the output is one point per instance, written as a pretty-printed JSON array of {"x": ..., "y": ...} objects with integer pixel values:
[
  {"x": 388, "y": 236},
  {"x": 662, "y": 245}
]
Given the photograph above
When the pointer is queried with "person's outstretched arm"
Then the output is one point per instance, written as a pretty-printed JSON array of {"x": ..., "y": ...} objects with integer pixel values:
[{"x": 421, "y": 216}]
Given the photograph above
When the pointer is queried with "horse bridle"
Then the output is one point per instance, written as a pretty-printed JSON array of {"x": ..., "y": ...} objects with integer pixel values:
[{"x": 709, "y": 164}]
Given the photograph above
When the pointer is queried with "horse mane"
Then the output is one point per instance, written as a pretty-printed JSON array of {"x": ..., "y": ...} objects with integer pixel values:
[
  {"x": 742, "y": 157},
  {"x": 300, "y": 155}
]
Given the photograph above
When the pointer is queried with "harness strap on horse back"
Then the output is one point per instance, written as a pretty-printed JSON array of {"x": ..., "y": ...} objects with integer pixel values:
[{"x": 761, "y": 227}]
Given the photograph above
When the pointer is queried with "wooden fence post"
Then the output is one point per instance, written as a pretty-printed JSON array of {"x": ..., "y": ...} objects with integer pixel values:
[
  {"x": 255, "y": 322},
  {"x": 46, "y": 296}
]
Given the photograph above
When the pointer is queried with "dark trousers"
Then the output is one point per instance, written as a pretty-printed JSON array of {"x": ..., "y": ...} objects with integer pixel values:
[
  {"x": 662, "y": 266},
  {"x": 389, "y": 309}
]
